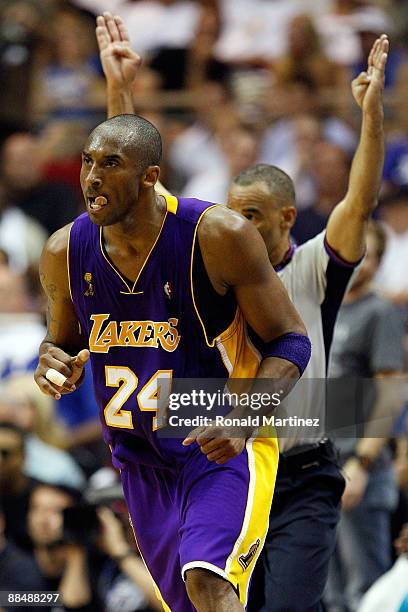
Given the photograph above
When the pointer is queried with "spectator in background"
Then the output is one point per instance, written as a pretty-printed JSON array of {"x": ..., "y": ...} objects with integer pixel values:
[
  {"x": 93, "y": 565},
  {"x": 240, "y": 148},
  {"x": 21, "y": 404},
  {"x": 338, "y": 33},
  {"x": 68, "y": 84},
  {"x": 26, "y": 250},
  {"x": 21, "y": 29},
  {"x": 51, "y": 204},
  {"x": 305, "y": 58},
  {"x": 153, "y": 24},
  {"x": 367, "y": 344},
  {"x": 20, "y": 328},
  {"x": 197, "y": 148},
  {"x": 191, "y": 66},
  {"x": 369, "y": 23},
  {"x": 18, "y": 571},
  {"x": 330, "y": 170},
  {"x": 392, "y": 277},
  {"x": 62, "y": 566},
  {"x": 15, "y": 486}
]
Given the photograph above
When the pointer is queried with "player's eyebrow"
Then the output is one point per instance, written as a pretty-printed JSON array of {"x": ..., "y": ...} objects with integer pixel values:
[{"x": 250, "y": 209}]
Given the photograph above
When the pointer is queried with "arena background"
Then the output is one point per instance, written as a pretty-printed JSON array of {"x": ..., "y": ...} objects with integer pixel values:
[{"x": 228, "y": 83}]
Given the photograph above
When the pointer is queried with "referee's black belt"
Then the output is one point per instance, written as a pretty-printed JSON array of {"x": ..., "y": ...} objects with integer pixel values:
[{"x": 306, "y": 456}]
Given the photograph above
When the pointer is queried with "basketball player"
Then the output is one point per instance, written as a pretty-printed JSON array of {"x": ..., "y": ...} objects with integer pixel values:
[
  {"x": 159, "y": 288},
  {"x": 306, "y": 508}
]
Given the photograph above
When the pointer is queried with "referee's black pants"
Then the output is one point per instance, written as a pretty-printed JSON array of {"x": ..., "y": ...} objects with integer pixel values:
[{"x": 292, "y": 570}]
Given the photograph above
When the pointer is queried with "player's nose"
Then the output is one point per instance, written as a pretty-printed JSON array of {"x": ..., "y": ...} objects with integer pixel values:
[{"x": 93, "y": 180}]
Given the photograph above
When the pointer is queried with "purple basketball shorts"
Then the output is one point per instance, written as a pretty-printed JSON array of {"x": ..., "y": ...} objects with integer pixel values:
[{"x": 202, "y": 516}]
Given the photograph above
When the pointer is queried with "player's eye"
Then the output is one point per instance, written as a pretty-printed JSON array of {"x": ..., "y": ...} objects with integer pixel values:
[
  {"x": 86, "y": 159},
  {"x": 110, "y": 163}
]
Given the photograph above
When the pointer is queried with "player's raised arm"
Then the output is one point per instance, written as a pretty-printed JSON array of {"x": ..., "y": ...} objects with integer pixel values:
[
  {"x": 59, "y": 349},
  {"x": 120, "y": 65},
  {"x": 346, "y": 228},
  {"x": 119, "y": 61}
]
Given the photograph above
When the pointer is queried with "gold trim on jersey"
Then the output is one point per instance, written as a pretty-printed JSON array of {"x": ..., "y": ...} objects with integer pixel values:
[
  {"x": 171, "y": 206},
  {"x": 210, "y": 344},
  {"x": 68, "y": 272},
  {"x": 172, "y": 203}
]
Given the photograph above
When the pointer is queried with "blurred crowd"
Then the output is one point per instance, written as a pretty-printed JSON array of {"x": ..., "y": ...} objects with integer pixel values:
[{"x": 228, "y": 83}]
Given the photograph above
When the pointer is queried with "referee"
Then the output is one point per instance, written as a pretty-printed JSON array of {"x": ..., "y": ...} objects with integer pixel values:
[{"x": 292, "y": 570}]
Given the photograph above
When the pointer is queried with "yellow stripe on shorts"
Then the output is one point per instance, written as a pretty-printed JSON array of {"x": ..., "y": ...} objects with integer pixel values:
[{"x": 263, "y": 458}]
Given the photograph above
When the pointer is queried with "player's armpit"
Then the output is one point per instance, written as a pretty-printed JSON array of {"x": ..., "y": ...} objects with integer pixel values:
[{"x": 235, "y": 256}]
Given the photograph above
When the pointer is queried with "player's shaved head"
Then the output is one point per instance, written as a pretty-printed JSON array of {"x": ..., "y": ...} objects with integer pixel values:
[
  {"x": 133, "y": 134},
  {"x": 276, "y": 180}
]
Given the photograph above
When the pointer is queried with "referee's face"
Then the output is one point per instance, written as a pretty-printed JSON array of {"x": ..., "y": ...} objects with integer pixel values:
[{"x": 256, "y": 203}]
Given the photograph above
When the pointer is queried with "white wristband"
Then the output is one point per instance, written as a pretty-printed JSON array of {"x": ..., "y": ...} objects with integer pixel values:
[{"x": 55, "y": 377}]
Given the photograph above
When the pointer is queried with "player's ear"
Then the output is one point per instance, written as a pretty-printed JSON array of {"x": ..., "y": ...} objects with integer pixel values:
[
  {"x": 288, "y": 217},
  {"x": 150, "y": 176}
]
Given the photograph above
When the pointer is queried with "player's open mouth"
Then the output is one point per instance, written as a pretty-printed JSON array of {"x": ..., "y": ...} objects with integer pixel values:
[{"x": 96, "y": 203}]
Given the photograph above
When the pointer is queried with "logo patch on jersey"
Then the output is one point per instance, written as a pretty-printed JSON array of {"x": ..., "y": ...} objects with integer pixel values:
[
  {"x": 88, "y": 279},
  {"x": 168, "y": 290},
  {"x": 155, "y": 334},
  {"x": 246, "y": 560}
]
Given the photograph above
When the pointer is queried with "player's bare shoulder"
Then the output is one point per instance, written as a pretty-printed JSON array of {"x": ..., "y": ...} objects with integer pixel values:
[
  {"x": 229, "y": 245},
  {"x": 222, "y": 227}
]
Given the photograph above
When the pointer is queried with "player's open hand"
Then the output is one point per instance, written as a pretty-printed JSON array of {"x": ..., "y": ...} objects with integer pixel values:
[
  {"x": 54, "y": 365},
  {"x": 220, "y": 444},
  {"x": 120, "y": 62},
  {"x": 367, "y": 88}
]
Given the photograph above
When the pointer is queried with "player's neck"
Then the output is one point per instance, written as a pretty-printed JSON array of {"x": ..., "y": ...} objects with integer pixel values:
[
  {"x": 278, "y": 254},
  {"x": 140, "y": 226}
]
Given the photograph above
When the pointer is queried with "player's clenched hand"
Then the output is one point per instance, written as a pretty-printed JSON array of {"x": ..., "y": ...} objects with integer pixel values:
[
  {"x": 356, "y": 484},
  {"x": 218, "y": 443},
  {"x": 120, "y": 62},
  {"x": 367, "y": 88},
  {"x": 70, "y": 367}
]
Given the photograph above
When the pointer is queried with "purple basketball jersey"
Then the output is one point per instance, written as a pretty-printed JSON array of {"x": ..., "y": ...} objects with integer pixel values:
[{"x": 141, "y": 334}]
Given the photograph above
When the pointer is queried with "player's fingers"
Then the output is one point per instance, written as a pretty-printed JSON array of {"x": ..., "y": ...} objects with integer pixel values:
[
  {"x": 112, "y": 27},
  {"x": 122, "y": 29},
  {"x": 80, "y": 360},
  {"x": 102, "y": 39},
  {"x": 124, "y": 50},
  {"x": 192, "y": 436},
  {"x": 211, "y": 445},
  {"x": 50, "y": 362},
  {"x": 382, "y": 48},
  {"x": 47, "y": 388},
  {"x": 371, "y": 54},
  {"x": 382, "y": 61},
  {"x": 362, "y": 79},
  {"x": 216, "y": 455},
  {"x": 223, "y": 459}
]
